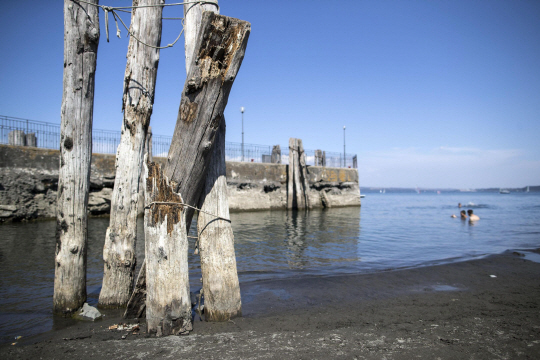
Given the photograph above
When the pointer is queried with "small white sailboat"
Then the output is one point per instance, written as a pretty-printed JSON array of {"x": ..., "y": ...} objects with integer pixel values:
[{"x": 504, "y": 191}]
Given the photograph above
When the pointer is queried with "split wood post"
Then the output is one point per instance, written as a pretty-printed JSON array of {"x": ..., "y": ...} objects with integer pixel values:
[
  {"x": 139, "y": 89},
  {"x": 297, "y": 186},
  {"x": 221, "y": 45},
  {"x": 291, "y": 195},
  {"x": 355, "y": 162},
  {"x": 276, "y": 155},
  {"x": 17, "y": 137},
  {"x": 142, "y": 179},
  {"x": 323, "y": 161},
  {"x": 303, "y": 176},
  {"x": 220, "y": 49},
  {"x": 168, "y": 303},
  {"x": 81, "y": 38},
  {"x": 221, "y": 287}
]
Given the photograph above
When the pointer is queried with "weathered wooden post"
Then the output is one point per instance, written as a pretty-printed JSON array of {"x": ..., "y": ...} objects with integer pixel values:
[
  {"x": 297, "y": 186},
  {"x": 168, "y": 304},
  {"x": 219, "y": 51},
  {"x": 17, "y": 137},
  {"x": 139, "y": 89},
  {"x": 221, "y": 288},
  {"x": 81, "y": 38},
  {"x": 355, "y": 162},
  {"x": 276, "y": 154},
  {"x": 303, "y": 176},
  {"x": 323, "y": 161}
]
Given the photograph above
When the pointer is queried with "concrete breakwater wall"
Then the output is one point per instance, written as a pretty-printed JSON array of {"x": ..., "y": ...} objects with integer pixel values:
[{"x": 29, "y": 184}]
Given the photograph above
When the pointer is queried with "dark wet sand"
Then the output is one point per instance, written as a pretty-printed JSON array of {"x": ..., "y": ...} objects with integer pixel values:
[{"x": 452, "y": 311}]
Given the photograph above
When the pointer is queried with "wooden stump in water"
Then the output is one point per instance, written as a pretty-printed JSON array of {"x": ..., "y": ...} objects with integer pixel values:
[
  {"x": 81, "y": 38},
  {"x": 168, "y": 304},
  {"x": 216, "y": 242}
]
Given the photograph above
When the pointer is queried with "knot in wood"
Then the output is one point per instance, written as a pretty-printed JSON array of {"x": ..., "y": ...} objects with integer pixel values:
[
  {"x": 207, "y": 146},
  {"x": 192, "y": 86},
  {"x": 74, "y": 249}
]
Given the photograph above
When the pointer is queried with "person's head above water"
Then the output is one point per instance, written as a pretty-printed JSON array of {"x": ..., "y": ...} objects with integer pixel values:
[
  {"x": 463, "y": 214},
  {"x": 459, "y": 205},
  {"x": 472, "y": 217}
]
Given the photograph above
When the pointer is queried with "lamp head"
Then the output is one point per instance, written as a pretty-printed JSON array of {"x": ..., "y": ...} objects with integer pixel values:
[
  {"x": 242, "y": 109},
  {"x": 344, "y": 128}
]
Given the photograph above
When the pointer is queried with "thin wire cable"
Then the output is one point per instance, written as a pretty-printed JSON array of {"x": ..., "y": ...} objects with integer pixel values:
[
  {"x": 193, "y": 207},
  {"x": 113, "y": 10},
  {"x": 189, "y": 206}
]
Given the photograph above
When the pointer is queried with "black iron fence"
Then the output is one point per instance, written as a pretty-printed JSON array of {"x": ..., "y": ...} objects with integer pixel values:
[{"x": 17, "y": 131}]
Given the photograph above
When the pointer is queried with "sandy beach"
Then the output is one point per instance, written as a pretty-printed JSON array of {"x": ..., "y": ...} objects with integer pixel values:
[{"x": 479, "y": 309}]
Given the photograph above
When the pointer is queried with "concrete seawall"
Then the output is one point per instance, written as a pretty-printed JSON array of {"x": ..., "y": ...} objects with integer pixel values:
[{"x": 29, "y": 184}]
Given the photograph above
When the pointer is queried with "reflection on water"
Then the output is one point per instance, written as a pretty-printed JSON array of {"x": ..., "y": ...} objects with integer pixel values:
[{"x": 274, "y": 243}]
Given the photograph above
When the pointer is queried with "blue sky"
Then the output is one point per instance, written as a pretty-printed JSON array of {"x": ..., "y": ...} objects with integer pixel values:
[{"x": 433, "y": 93}]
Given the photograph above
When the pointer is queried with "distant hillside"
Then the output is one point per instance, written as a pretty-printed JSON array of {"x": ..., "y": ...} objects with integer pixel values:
[{"x": 373, "y": 189}]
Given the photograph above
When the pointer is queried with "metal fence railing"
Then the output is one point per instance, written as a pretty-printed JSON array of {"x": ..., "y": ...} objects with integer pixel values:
[{"x": 107, "y": 141}]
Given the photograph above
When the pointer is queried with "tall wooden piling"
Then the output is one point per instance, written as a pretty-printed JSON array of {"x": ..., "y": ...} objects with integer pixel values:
[
  {"x": 219, "y": 51},
  {"x": 81, "y": 38},
  {"x": 297, "y": 184},
  {"x": 221, "y": 287},
  {"x": 139, "y": 89}
]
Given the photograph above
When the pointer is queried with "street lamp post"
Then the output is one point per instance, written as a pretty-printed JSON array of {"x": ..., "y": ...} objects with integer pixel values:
[
  {"x": 344, "y": 153},
  {"x": 242, "y": 111}
]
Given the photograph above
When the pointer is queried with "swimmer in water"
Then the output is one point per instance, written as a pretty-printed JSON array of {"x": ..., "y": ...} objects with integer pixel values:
[
  {"x": 463, "y": 214},
  {"x": 459, "y": 205},
  {"x": 472, "y": 217},
  {"x": 453, "y": 216}
]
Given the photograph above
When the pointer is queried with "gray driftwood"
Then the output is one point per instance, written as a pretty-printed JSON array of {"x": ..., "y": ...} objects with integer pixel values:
[
  {"x": 297, "y": 184},
  {"x": 139, "y": 89},
  {"x": 216, "y": 238},
  {"x": 81, "y": 38},
  {"x": 168, "y": 304}
]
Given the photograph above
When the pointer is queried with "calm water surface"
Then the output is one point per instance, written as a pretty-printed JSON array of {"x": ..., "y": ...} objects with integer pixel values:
[{"x": 390, "y": 231}]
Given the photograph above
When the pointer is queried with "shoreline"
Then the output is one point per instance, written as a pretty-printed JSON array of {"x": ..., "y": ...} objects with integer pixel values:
[{"x": 454, "y": 310}]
